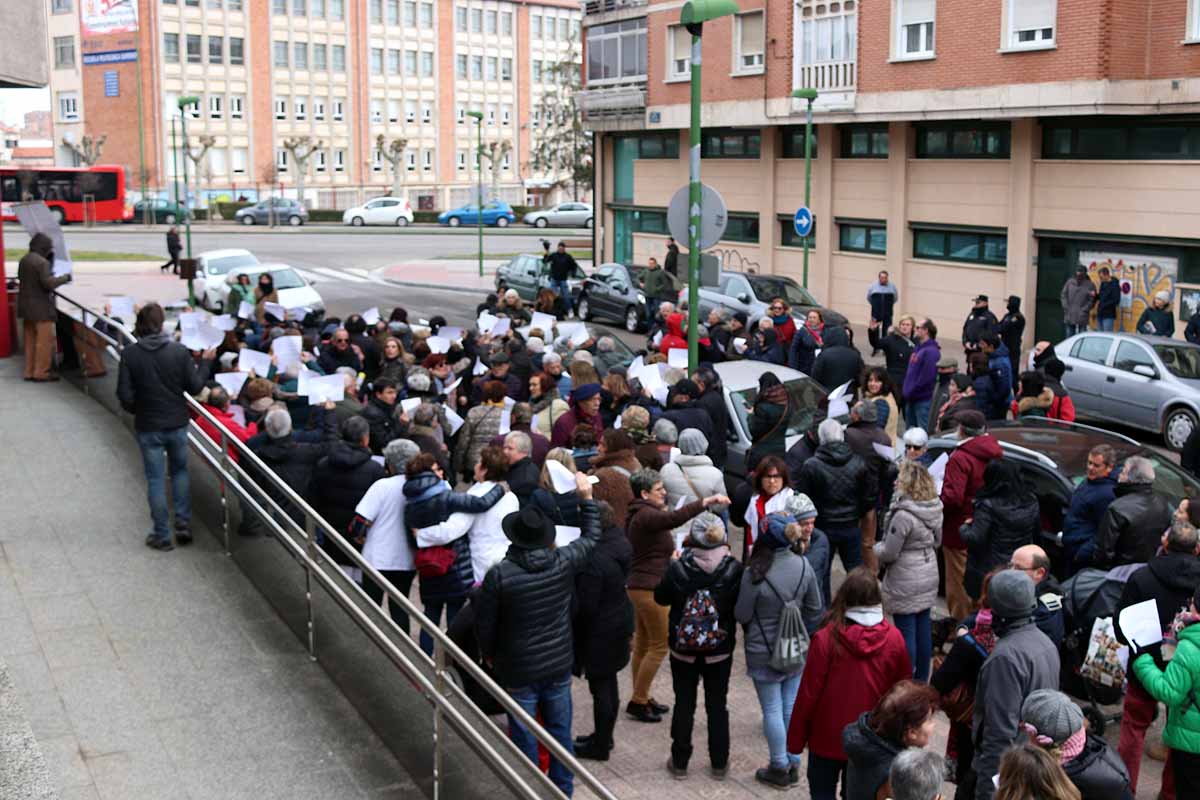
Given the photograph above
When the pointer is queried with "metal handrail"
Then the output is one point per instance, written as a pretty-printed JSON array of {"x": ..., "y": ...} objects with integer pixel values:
[{"x": 369, "y": 616}]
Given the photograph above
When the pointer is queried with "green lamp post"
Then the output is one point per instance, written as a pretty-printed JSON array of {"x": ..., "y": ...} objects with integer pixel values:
[
  {"x": 478, "y": 117},
  {"x": 810, "y": 95},
  {"x": 695, "y": 13},
  {"x": 184, "y": 102}
]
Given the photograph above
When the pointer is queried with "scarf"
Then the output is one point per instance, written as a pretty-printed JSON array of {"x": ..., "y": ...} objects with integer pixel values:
[
  {"x": 781, "y": 319},
  {"x": 542, "y": 402},
  {"x": 865, "y": 615},
  {"x": 817, "y": 333},
  {"x": 982, "y": 632}
]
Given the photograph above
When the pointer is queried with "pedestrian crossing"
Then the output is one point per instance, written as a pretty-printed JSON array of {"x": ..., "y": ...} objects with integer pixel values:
[{"x": 349, "y": 275}]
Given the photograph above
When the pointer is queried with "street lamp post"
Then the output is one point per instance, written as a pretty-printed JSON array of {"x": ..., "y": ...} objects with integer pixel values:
[
  {"x": 478, "y": 117},
  {"x": 810, "y": 95},
  {"x": 695, "y": 13},
  {"x": 184, "y": 102}
]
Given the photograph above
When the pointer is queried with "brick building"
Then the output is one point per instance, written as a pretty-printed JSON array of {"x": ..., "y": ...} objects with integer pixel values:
[
  {"x": 340, "y": 71},
  {"x": 967, "y": 146}
]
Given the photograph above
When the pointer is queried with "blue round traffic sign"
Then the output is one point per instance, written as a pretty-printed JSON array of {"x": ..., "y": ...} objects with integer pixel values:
[{"x": 803, "y": 221}]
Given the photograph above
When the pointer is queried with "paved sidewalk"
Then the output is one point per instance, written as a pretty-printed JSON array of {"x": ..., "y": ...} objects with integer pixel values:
[{"x": 147, "y": 674}]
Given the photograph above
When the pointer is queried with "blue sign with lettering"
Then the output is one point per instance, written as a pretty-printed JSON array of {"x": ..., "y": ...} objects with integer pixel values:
[
  {"x": 803, "y": 221},
  {"x": 110, "y": 57},
  {"x": 112, "y": 83}
]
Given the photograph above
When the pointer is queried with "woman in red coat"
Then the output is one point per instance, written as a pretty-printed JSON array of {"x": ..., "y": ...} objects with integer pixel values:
[{"x": 854, "y": 659}]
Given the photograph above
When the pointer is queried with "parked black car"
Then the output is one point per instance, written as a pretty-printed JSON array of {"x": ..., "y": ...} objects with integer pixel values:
[
  {"x": 527, "y": 274},
  {"x": 614, "y": 292}
]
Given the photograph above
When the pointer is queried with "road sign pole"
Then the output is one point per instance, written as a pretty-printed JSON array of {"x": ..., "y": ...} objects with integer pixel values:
[
  {"x": 807, "y": 178},
  {"x": 694, "y": 206}
]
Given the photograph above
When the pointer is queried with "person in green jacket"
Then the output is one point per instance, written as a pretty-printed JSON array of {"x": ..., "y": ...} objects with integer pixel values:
[
  {"x": 240, "y": 292},
  {"x": 659, "y": 287},
  {"x": 1178, "y": 686}
]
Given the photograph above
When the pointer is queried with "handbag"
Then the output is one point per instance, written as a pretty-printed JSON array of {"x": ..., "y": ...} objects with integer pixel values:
[{"x": 434, "y": 562}]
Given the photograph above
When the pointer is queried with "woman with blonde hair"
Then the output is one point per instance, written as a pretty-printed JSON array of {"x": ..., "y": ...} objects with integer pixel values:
[
  {"x": 546, "y": 403},
  {"x": 614, "y": 397},
  {"x": 913, "y": 533},
  {"x": 1028, "y": 772},
  {"x": 391, "y": 361},
  {"x": 582, "y": 373}
]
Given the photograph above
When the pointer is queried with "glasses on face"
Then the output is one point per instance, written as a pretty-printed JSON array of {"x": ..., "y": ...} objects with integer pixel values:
[
  {"x": 772, "y": 476},
  {"x": 777, "y": 308},
  {"x": 1018, "y": 567},
  {"x": 912, "y": 447},
  {"x": 340, "y": 341}
]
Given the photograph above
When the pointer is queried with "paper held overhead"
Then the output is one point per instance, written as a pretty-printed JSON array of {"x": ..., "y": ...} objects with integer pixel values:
[
  {"x": 245, "y": 310},
  {"x": 501, "y": 326},
  {"x": 885, "y": 452},
  {"x": 451, "y": 334},
  {"x": 122, "y": 307},
  {"x": 224, "y": 322},
  {"x": 438, "y": 344},
  {"x": 410, "y": 404},
  {"x": 739, "y": 345},
  {"x": 677, "y": 357},
  {"x": 232, "y": 381},
  {"x": 371, "y": 315},
  {"x": 190, "y": 319},
  {"x": 543, "y": 320},
  {"x": 561, "y": 477},
  {"x": 249, "y": 360},
  {"x": 322, "y": 388},
  {"x": 485, "y": 322},
  {"x": 1140, "y": 623},
  {"x": 275, "y": 310},
  {"x": 287, "y": 351},
  {"x": 203, "y": 337},
  {"x": 565, "y": 534}
]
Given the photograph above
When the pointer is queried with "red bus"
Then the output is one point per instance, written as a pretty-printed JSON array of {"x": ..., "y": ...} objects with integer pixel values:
[{"x": 66, "y": 191}]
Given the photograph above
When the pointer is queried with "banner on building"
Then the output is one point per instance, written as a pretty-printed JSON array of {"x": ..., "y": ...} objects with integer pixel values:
[
  {"x": 100, "y": 17},
  {"x": 1147, "y": 276}
]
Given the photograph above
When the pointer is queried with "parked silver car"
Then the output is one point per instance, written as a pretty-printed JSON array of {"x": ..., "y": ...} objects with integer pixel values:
[
  {"x": 1146, "y": 382},
  {"x": 743, "y": 291},
  {"x": 563, "y": 215}
]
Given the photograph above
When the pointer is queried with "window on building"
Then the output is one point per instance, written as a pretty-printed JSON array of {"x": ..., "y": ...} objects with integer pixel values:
[
  {"x": 1193, "y": 29},
  {"x": 410, "y": 111},
  {"x": 962, "y": 140},
  {"x": 375, "y": 11},
  {"x": 170, "y": 48},
  {"x": 491, "y": 73},
  {"x": 337, "y": 9},
  {"x": 279, "y": 7},
  {"x": 730, "y": 143},
  {"x": 281, "y": 159},
  {"x": 393, "y": 12},
  {"x": 1030, "y": 23},
  {"x": 564, "y": 29},
  {"x": 410, "y": 62},
  {"x": 237, "y": 104},
  {"x": 280, "y": 54},
  {"x": 914, "y": 27},
  {"x": 426, "y": 113},
  {"x": 792, "y": 141},
  {"x": 300, "y": 8},
  {"x": 339, "y": 109},
  {"x": 410, "y": 14},
  {"x": 68, "y": 107},
  {"x": 394, "y": 58},
  {"x": 460, "y": 66},
  {"x": 862, "y": 236},
  {"x": 393, "y": 110},
  {"x": 535, "y": 118},
  {"x": 551, "y": 30},
  {"x": 864, "y": 141},
  {"x": 970, "y": 246},
  {"x": 476, "y": 20},
  {"x": 1134, "y": 139},
  {"x": 460, "y": 113},
  {"x": 490, "y": 22},
  {"x": 476, "y": 68},
  {"x": 427, "y": 15},
  {"x": 616, "y": 52},
  {"x": 749, "y": 42},
  {"x": 506, "y": 66},
  {"x": 216, "y": 161},
  {"x": 215, "y": 106},
  {"x": 376, "y": 60},
  {"x": 376, "y": 111},
  {"x": 300, "y": 107},
  {"x": 505, "y": 114},
  {"x": 461, "y": 160},
  {"x": 64, "y": 51},
  {"x": 490, "y": 115},
  {"x": 339, "y": 160},
  {"x": 300, "y": 55},
  {"x": 460, "y": 19},
  {"x": 320, "y": 161},
  {"x": 238, "y": 156},
  {"x": 535, "y": 26},
  {"x": 192, "y": 3},
  {"x": 410, "y": 160},
  {"x": 62, "y": 6},
  {"x": 788, "y": 236},
  {"x": 506, "y": 23},
  {"x": 194, "y": 45},
  {"x": 742, "y": 228},
  {"x": 281, "y": 105},
  {"x": 426, "y": 64},
  {"x": 653, "y": 145},
  {"x": 319, "y": 109},
  {"x": 338, "y": 51},
  {"x": 679, "y": 52},
  {"x": 320, "y": 57},
  {"x": 318, "y": 8},
  {"x": 237, "y": 50},
  {"x": 830, "y": 38},
  {"x": 506, "y": 162},
  {"x": 427, "y": 161},
  {"x": 536, "y": 70}
]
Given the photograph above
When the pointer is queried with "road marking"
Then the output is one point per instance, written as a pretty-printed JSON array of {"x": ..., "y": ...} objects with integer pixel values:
[{"x": 325, "y": 274}]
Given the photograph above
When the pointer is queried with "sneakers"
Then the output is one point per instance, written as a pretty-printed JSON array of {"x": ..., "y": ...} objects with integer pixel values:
[
  {"x": 658, "y": 707},
  {"x": 774, "y": 777},
  {"x": 678, "y": 773},
  {"x": 642, "y": 713},
  {"x": 183, "y": 536},
  {"x": 156, "y": 543},
  {"x": 793, "y": 774}
]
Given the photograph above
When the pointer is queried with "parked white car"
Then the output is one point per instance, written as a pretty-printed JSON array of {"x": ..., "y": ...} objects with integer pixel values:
[
  {"x": 211, "y": 268},
  {"x": 380, "y": 211},
  {"x": 294, "y": 291}
]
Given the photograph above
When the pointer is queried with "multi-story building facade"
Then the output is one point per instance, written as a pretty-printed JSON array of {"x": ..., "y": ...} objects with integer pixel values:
[
  {"x": 341, "y": 72},
  {"x": 966, "y": 146}
]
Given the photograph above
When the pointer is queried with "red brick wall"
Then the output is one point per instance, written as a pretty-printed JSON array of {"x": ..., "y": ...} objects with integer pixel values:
[
  {"x": 261, "y": 112},
  {"x": 1165, "y": 28},
  {"x": 110, "y": 116},
  {"x": 447, "y": 105}
]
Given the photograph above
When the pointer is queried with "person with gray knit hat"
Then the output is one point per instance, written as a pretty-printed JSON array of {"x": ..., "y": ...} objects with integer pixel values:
[
  {"x": 811, "y": 541},
  {"x": 1023, "y": 661},
  {"x": 691, "y": 475},
  {"x": 1055, "y": 723}
]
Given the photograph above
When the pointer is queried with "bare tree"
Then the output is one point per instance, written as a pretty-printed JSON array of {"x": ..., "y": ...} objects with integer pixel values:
[
  {"x": 301, "y": 149},
  {"x": 214, "y": 211},
  {"x": 270, "y": 176},
  {"x": 88, "y": 149},
  {"x": 495, "y": 152},
  {"x": 393, "y": 153},
  {"x": 562, "y": 148},
  {"x": 197, "y": 157}
]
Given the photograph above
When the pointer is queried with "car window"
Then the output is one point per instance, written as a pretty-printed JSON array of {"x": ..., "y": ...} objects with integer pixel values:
[
  {"x": 1170, "y": 480},
  {"x": 605, "y": 273},
  {"x": 804, "y": 395},
  {"x": 1132, "y": 354},
  {"x": 389, "y": 203},
  {"x": 286, "y": 279},
  {"x": 737, "y": 286},
  {"x": 1092, "y": 349},
  {"x": 768, "y": 288},
  {"x": 221, "y": 266},
  {"x": 373, "y": 204},
  {"x": 1182, "y": 362}
]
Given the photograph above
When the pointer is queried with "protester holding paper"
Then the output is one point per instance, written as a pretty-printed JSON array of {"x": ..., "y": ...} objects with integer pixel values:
[
  {"x": 483, "y": 423},
  {"x": 35, "y": 306},
  {"x": 265, "y": 293},
  {"x": 218, "y": 405}
]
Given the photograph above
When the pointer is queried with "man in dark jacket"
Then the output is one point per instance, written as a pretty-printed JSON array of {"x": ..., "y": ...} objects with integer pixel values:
[
  {"x": 671, "y": 263},
  {"x": 1023, "y": 661},
  {"x": 1077, "y": 297},
  {"x": 523, "y": 475},
  {"x": 659, "y": 287},
  {"x": 882, "y": 297},
  {"x": 1170, "y": 579},
  {"x": 840, "y": 485},
  {"x": 361, "y": 339},
  {"x": 922, "y": 375},
  {"x": 174, "y": 248},
  {"x": 862, "y": 434},
  {"x": 963, "y": 477},
  {"x": 1088, "y": 506},
  {"x": 1134, "y": 521},
  {"x": 501, "y": 371},
  {"x": 685, "y": 412},
  {"x": 291, "y": 461},
  {"x": 804, "y": 449},
  {"x": 1033, "y": 561},
  {"x": 1108, "y": 300},
  {"x": 154, "y": 374},
  {"x": 340, "y": 480},
  {"x": 1011, "y": 329},
  {"x": 35, "y": 306},
  {"x": 712, "y": 400},
  {"x": 380, "y": 414},
  {"x": 523, "y": 622},
  {"x": 839, "y": 360},
  {"x": 340, "y": 353},
  {"x": 521, "y": 419},
  {"x": 981, "y": 320},
  {"x": 562, "y": 266},
  {"x": 1000, "y": 366},
  {"x": 603, "y": 630}
]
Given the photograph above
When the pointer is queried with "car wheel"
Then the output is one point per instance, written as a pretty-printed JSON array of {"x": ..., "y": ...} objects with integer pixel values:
[
  {"x": 540, "y": 222},
  {"x": 401, "y": 222},
  {"x": 358, "y": 222},
  {"x": 454, "y": 222},
  {"x": 588, "y": 224},
  {"x": 501, "y": 222},
  {"x": 169, "y": 219},
  {"x": 1178, "y": 427},
  {"x": 584, "y": 309},
  {"x": 295, "y": 221},
  {"x": 633, "y": 322},
  {"x": 247, "y": 219},
  {"x": 58, "y": 215}
]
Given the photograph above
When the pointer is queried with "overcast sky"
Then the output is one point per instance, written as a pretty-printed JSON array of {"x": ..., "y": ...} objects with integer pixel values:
[{"x": 14, "y": 103}]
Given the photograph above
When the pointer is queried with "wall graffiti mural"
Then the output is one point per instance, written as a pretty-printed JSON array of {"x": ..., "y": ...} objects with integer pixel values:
[
  {"x": 733, "y": 260},
  {"x": 1148, "y": 275}
]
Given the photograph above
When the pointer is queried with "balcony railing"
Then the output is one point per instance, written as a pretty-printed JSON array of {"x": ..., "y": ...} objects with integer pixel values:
[
  {"x": 601, "y": 6},
  {"x": 829, "y": 76},
  {"x": 627, "y": 100}
]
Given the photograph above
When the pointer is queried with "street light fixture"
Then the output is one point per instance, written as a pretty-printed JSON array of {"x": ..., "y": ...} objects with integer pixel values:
[
  {"x": 184, "y": 102},
  {"x": 478, "y": 117},
  {"x": 810, "y": 95},
  {"x": 693, "y": 16}
]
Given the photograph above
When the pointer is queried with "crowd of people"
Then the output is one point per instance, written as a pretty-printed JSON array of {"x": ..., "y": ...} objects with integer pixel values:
[{"x": 567, "y": 516}]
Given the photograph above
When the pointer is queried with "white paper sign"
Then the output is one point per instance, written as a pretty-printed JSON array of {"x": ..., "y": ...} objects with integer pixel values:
[
  {"x": 580, "y": 336},
  {"x": 36, "y": 218},
  {"x": 739, "y": 345},
  {"x": 565, "y": 534},
  {"x": 635, "y": 365},
  {"x": 438, "y": 344},
  {"x": 501, "y": 327},
  {"x": 232, "y": 381},
  {"x": 275, "y": 310},
  {"x": 451, "y": 334},
  {"x": 302, "y": 378},
  {"x": 839, "y": 391},
  {"x": 326, "y": 387},
  {"x": 657, "y": 340},
  {"x": 453, "y": 420},
  {"x": 379, "y": 460},
  {"x": 238, "y": 413},
  {"x": 1140, "y": 623},
  {"x": 677, "y": 357},
  {"x": 937, "y": 470},
  {"x": 371, "y": 315},
  {"x": 249, "y": 360},
  {"x": 837, "y": 408},
  {"x": 480, "y": 368},
  {"x": 543, "y": 321},
  {"x": 617, "y": 423},
  {"x": 449, "y": 390},
  {"x": 245, "y": 310},
  {"x": 122, "y": 307},
  {"x": 410, "y": 404},
  {"x": 192, "y": 319},
  {"x": 485, "y": 322},
  {"x": 885, "y": 452},
  {"x": 224, "y": 322},
  {"x": 675, "y": 454},
  {"x": 562, "y": 478},
  {"x": 287, "y": 351},
  {"x": 299, "y": 313},
  {"x": 202, "y": 337},
  {"x": 505, "y": 421}
]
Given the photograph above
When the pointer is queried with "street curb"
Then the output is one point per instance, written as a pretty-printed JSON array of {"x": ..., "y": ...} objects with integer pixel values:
[
  {"x": 438, "y": 286},
  {"x": 320, "y": 229}
]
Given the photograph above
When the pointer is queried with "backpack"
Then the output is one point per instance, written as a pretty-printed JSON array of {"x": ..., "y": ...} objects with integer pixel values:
[
  {"x": 790, "y": 648},
  {"x": 699, "y": 632}
]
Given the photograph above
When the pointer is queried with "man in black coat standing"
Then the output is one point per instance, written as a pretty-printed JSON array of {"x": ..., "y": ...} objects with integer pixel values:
[
  {"x": 523, "y": 622},
  {"x": 562, "y": 266},
  {"x": 524, "y": 477},
  {"x": 154, "y": 375},
  {"x": 685, "y": 412},
  {"x": 380, "y": 414},
  {"x": 174, "y": 248},
  {"x": 340, "y": 480},
  {"x": 981, "y": 320},
  {"x": 838, "y": 362},
  {"x": 1011, "y": 329},
  {"x": 671, "y": 262},
  {"x": 712, "y": 400}
]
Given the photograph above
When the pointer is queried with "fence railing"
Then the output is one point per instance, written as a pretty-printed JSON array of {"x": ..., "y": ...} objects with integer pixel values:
[{"x": 268, "y": 498}]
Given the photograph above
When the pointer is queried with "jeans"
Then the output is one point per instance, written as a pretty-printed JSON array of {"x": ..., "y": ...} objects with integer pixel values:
[
  {"x": 823, "y": 775},
  {"x": 685, "y": 678},
  {"x": 916, "y": 413},
  {"x": 776, "y": 700},
  {"x": 433, "y": 610},
  {"x": 1071, "y": 330},
  {"x": 552, "y": 698},
  {"x": 918, "y": 640},
  {"x": 174, "y": 444},
  {"x": 652, "y": 304},
  {"x": 563, "y": 291},
  {"x": 1136, "y": 717},
  {"x": 402, "y": 579},
  {"x": 847, "y": 543},
  {"x": 1107, "y": 324},
  {"x": 606, "y": 704}
]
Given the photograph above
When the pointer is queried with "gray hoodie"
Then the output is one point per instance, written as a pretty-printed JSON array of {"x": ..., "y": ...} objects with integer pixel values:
[
  {"x": 913, "y": 533},
  {"x": 759, "y": 607}
]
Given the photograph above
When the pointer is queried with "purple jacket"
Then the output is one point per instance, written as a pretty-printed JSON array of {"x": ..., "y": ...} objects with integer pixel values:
[{"x": 922, "y": 372}]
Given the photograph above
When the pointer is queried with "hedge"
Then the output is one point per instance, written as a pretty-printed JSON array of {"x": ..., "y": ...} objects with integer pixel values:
[{"x": 335, "y": 215}]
